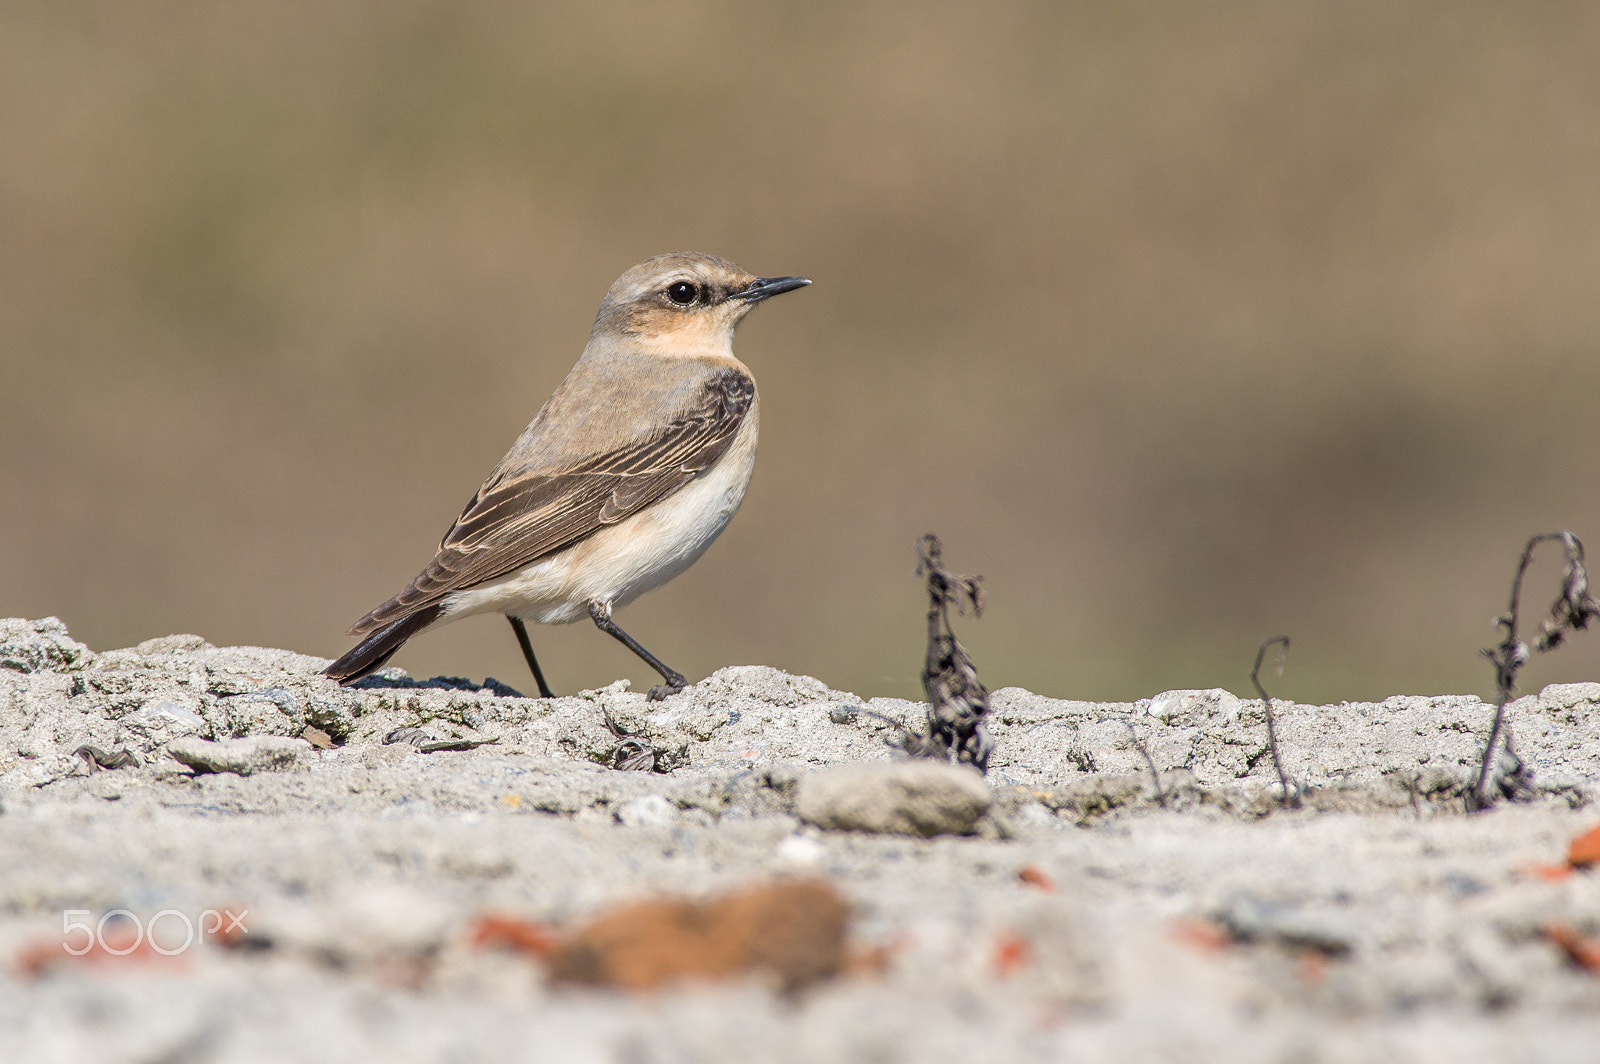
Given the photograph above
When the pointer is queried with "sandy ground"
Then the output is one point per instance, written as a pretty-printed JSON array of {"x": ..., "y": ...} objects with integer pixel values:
[{"x": 1087, "y": 916}]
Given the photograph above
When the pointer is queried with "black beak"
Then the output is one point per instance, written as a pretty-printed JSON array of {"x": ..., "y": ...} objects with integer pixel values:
[{"x": 767, "y": 287}]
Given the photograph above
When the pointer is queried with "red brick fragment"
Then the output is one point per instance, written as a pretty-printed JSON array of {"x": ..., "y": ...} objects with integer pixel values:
[
  {"x": 513, "y": 933},
  {"x": 110, "y": 949},
  {"x": 1034, "y": 876},
  {"x": 1585, "y": 849},
  {"x": 1011, "y": 954},
  {"x": 1584, "y": 952},
  {"x": 793, "y": 932},
  {"x": 1312, "y": 966},
  {"x": 1203, "y": 935}
]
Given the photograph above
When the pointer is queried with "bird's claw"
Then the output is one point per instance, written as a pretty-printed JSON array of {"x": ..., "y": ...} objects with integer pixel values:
[{"x": 663, "y": 690}]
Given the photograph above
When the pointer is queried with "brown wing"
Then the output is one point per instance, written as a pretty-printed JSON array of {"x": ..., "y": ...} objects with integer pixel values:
[{"x": 516, "y": 519}]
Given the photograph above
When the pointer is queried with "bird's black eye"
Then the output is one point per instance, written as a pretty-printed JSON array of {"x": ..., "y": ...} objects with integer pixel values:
[{"x": 683, "y": 293}]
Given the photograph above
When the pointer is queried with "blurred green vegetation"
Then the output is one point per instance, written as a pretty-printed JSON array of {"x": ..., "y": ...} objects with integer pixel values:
[{"x": 1183, "y": 324}]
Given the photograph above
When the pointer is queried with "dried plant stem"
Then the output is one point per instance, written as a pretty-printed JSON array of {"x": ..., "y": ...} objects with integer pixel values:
[
  {"x": 1291, "y": 796},
  {"x": 1573, "y": 609},
  {"x": 633, "y": 752},
  {"x": 1150, "y": 762},
  {"x": 957, "y": 701}
]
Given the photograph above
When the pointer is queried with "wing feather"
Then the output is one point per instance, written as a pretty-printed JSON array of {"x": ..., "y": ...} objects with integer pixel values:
[{"x": 517, "y": 518}]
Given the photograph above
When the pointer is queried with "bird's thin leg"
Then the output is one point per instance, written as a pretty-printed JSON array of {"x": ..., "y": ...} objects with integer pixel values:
[
  {"x": 527, "y": 652},
  {"x": 601, "y": 613}
]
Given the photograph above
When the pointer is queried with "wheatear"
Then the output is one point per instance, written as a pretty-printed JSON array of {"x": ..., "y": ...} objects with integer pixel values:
[{"x": 620, "y": 482}]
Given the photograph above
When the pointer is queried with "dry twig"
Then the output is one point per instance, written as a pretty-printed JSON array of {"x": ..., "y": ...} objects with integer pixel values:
[
  {"x": 909, "y": 742},
  {"x": 419, "y": 739},
  {"x": 633, "y": 752},
  {"x": 957, "y": 701},
  {"x": 1150, "y": 762},
  {"x": 1572, "y": 611},
  {"x": 98, "y": 759},
  {"x": 1291, "y": 793}
]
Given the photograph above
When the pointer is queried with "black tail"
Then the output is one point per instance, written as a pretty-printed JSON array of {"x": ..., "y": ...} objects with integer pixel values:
[{"x": 369, "y": 655}]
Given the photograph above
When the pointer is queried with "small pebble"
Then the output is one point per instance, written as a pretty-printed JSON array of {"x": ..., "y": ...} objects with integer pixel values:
[
  {"x": 651, "y": 811},
  {"x": 915, "y": 797},
  {"x": 258, "y": 753},
  {"x": 799, "y": 851}
]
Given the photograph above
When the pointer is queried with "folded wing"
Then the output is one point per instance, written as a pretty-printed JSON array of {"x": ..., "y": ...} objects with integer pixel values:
[{"x": 517, "y": 518}]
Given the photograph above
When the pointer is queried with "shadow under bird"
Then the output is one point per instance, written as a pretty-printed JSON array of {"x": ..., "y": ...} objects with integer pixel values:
[{"x": 620, "y": 482}]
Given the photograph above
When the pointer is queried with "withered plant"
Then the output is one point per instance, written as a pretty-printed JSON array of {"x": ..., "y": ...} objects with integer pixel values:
[{"x": 1572, "y": 611}]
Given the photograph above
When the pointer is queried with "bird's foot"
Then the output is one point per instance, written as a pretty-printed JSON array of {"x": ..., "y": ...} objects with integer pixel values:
[{"x": 674, "y": 684}]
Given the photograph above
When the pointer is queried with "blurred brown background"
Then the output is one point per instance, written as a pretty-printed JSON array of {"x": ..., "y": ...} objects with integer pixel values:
[{"x": 1183, "y": 324}]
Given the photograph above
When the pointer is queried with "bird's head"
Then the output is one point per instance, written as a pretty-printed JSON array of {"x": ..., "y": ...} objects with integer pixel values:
[{"x": 684, "y": 302}]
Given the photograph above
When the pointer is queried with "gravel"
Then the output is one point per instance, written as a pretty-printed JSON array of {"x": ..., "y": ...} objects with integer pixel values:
[{"x": 1064, "y": 907}]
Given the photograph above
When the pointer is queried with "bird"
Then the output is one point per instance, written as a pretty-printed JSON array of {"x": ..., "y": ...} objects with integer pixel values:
[{"x": 620, "y": 482}]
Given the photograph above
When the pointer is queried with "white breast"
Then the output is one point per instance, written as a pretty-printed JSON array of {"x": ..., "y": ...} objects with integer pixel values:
[{"x": 619, "y": 563}]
